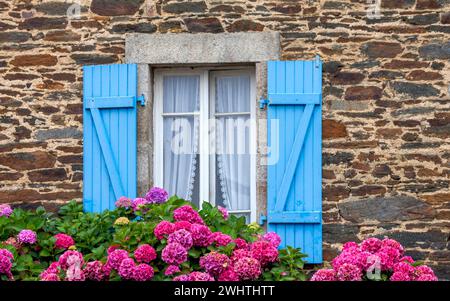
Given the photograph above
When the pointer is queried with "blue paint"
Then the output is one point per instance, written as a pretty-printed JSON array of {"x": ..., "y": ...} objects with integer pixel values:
[
  {"x": 294, "y": 183},
  {"x": 109, "y": 146}
]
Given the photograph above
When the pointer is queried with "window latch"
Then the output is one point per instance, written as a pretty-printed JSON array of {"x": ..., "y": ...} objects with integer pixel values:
[
  {"x": 263, "y": 103},
  {"x": 262, "y": 219},
  {"x": 141, "y": 99}
]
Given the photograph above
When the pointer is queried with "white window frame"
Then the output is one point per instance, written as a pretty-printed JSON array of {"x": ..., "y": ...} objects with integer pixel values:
[{"x": 207, "y": 97}]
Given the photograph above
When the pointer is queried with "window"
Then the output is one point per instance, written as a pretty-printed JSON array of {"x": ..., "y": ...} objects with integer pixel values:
[{"x": 205, "y": 143}]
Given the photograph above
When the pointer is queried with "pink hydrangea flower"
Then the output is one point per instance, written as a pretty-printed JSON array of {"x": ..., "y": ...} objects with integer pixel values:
[
  {"x": 404, "y": 268},
  {"x": 400, "y": 276},
  {"x": 388, "y": 257},
  {"x": 264, "y": 252},
  {"x": 349, "y": 272},
  {"x": 156, "y": 195},
  {"x": 115, "y": 258},
  {"x": 143, "y": 272},
  {"x": 183, "y": 237},
  {"x": 354, "y": 256},
  {"x": 371, "y": 245},
  {"x": 64, "y": 261},
  {"x": 138, "y": 203},
  {"x": 407, "y": 259},
  {"x": 112, "y": 248},
  {"x": 172, "y": 269},
  {"x": 163, "y": 228},
  {"x": 5, "y": 210},
  {"x": 123, "y": 202},
  {"x": 145, "y": 253},
  {"x": 49, "y": 277},
  {"x": 426, "y": 277},
  {"x": 5, "y": 266},
  {"x": 181, "y": 278},
  {"x": 199, "y": 276},
  {"x": 188, "y": 214},
  {"x": 7, "y": 253},
  {"x": 387, "y": 242},
  {"x": 200, "y": 235},
  {"x": 228, "y": 275},
  {"x": 174, "y": 253},
  {"x": 351, "y": 245},
  {"x": 96, "y": 271},
  {"x": 74, "y": 271},
  {"x": 241, "y": 243},
  {"x": 12, "y": 241},
  {"x": 224, "y": 212},
  {"x": 219, "y": 239},
  {"x": 183, "y": 225},
  {"x": 214, "y": 263},
  {"x": 63, "y": 241},
  {"x": 27, "y": 237},
  {"x": 424, "y": 273},
  {"x": 240, "y": 253},
  {"x": 247, "y": 268},
  {"x": 273, "y": 238},
  {"x": 126, "y": 269},
  {"x": 324, "y": 275}
]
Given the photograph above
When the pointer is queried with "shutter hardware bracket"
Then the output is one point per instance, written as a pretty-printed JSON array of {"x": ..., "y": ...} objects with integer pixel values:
[
  {"x": 141, "y": 99},
  {"x": 262, "y": 219},
  {"x": 263, "y": 103}
]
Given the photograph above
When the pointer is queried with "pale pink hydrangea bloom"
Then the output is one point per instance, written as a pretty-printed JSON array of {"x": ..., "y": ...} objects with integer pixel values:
[
  {"x": 123, "y": 202},
  {"x": 324, "y": 275},
  {"x": 5, "y": 210},
  {"x": 74, "y": 271},
  {"x": 247, "y": 268},
  {"x": 64, "y": 258},
  {"x": 224, "y": 212}
]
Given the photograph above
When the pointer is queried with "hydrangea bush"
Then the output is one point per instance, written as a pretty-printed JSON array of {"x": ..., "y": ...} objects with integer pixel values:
[
  {"x": 149, "y": 238},
  {"x": 376, "y": 260}
]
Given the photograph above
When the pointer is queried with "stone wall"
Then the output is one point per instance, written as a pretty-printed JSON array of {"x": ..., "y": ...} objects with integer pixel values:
[{"x": 386, "y": 101}]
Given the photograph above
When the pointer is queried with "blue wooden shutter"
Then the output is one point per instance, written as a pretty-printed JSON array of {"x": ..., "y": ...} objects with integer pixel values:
[
  {"x": 294, "y": 182},
  {"x": 109, "y": 117}
]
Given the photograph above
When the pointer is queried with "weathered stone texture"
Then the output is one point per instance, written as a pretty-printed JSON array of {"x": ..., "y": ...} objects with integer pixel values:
[{"x": 386, "y": 105}]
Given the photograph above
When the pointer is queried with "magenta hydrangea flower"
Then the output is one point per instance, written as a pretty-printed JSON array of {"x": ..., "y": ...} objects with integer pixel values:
[
  {"x": 156, "y": 195},
  {"x": 51, "y": 273},
  {"x": 264, "y": 252},
  {"x": 183, "y": 225},
  {"x": 228, "y": 275},
  {"x": 224, "y": 212},
  {"x": 214, "y": 263},
  {"x": 123, "y": 202},
  {"x": 112, "y": 248},
  {"x": 126, "y": 269},
  {"x": 240, "y": 253},
  {"x": 96, "y": 271},
  {"x": 172, "y": 269},
  {"x": 407, "y": 259},
  {"x": 404, "y": 267},
  {"x": 181, "y": 278},
  {"x": 426, "y": 277},
  {"x": 400, "y": 276},
  {"x": 371, "y": 245},
  {"x": 6, "y": 265},
  {"x": 5, "y": 210},
  {"x": 349, "y": 272},
  {"x": 145, "y": 253},
  {"x": 188, "y": 214},
  {"x": 241, "y": 243},
  {"x": 388, "y": 257},
  {"x": 219, "y": 239},
  {"x": 138, "y": 203},
  {"x": 143, "y": 272},
  {"x": 200, "y": 235},
  {"x": 199, "y": 276},
  {"x": 352, "y": 255},
  {"x": 63, "y": 241},
  {"x": 7, "y": 253},
  {"x": 49, "y": 277},
  {"x": 115, "y": 258},
  {"x": 424, "y": 273},
  {"x": 27, "y": 237},
  {"x": 183, "y": 237},
  {"x": 351, "y": 245},
  {"x": 324, "y": 275},
  {"x": 273, "y": 238},
  {"x": 64, "y": 260},
  {"x": 247, "y": 268},
  {"x": 163, "y": 228},
  {"x": 174, "y": 253},
  {"x": 387, "y": 242}
]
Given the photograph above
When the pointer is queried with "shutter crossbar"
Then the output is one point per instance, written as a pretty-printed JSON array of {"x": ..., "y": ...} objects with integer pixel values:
[
  {"x": 111, "y": 102},
  {"x": 294, "y": 98},
  {"x": 295, "y": 217}
]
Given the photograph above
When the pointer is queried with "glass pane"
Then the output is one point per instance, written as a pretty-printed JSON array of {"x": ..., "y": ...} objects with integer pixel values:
[
  {"x": 181, "y": 157},
  {"x": 233, "y": 94},
  {"x": 181, "y": 93},
  {"x": 233, "y": 162}
]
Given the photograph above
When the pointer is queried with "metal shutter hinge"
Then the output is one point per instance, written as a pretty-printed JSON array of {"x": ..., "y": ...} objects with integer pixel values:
[
  {"x": 263, "y": 103},
  {"x": 141, "y": 99},
  {"x": 262, "y": 219}
]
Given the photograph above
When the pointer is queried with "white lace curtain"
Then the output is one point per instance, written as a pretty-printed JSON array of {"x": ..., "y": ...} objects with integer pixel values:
[
  {"x": 232, "y": 138},
  {"x": 181, "y": 95}
]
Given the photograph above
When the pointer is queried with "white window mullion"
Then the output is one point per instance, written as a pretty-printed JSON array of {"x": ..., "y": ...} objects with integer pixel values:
[{"x": 204, "y": 138}]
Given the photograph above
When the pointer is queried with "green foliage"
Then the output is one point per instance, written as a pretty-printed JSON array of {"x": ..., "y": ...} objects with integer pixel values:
[{"x": 94, "y": 233}]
